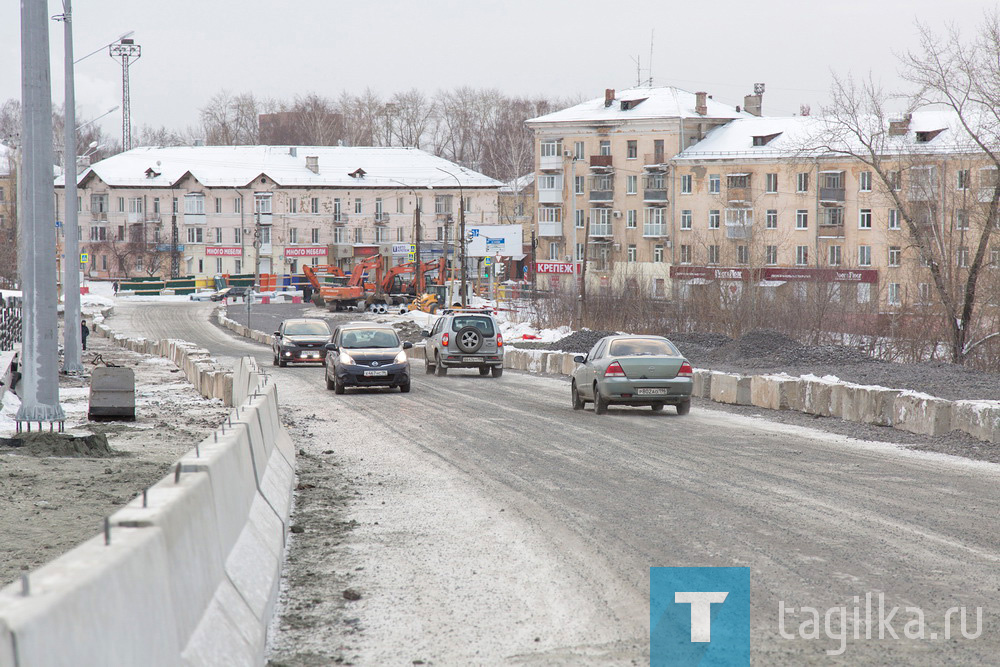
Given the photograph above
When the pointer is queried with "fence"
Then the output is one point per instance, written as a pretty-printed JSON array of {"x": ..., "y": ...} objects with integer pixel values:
[{"x": 10, "y": 327}]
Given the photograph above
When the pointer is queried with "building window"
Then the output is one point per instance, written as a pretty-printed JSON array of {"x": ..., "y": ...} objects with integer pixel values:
[
  {"x": 580, "y": 219},
  {"x": 378, "y": 208},
  {"x": 686, "y": 184},
  {"x": 894, "y": 254},
  {"x": 579, "y": 152},
  {"x": 771, "y": 254},
  {"x": 655, "y": 224},
  {"x": 553, "y": 250},
  {"x": 714, "y": 184},
  {"x": 742, "y": 254},
  {"x": 339, "y": 235},
  {"x": 578, "y": 182},
  {"x": 686, "y": 219},
  {"x": 315, "y": 235},
  {"x": 218, "y": 234},
  {"x": 962, "y": 257},
  {"x": 552, "y": 148},
  {"x": 801, "y": 255},
  {"x": 631, "y": 219},
  {"x": 962, "y": 179},
  {"x": 442, "y": 204},
  {"x": 961, "y": 219},
  {"x": 293, "y": 206},
  {"x": 238, "y": 266},
  {"x": 713, "y": 254},
  {"x": 194, "y": 204},
  {"x": 865, "y": 181},
  {"x": 549, "y": 182},
  {"x": 686, "y": 254},
  {"x": 893, "y": 218},
  {"x": 771, "y": 184},
  {"x": 237, "y": 235},
  {"x": 121, "y": 204},
  {"x": 924, "y": 293},
  {"x": 357, "y": 205},
  {"x": 337, "y": 212},
  {"x": 802, "y": 219},
  {"x": 771, "y": 219},
  {"x": 381, "y": 234},
  {"x": 605, "y": 147},
  {"x": 293, "y": 235},
  {"x": 895, "y": 180},
  {"x": 658, "y": 253},
  {"x": 631, "y": 184},
  {"x": 833, "y": 255},
  {"x": 399, "y": 234},
  {"x": 195, "y": 235},
  {"x": 833, "y": 215},
  {"x": 579, "y": 252},
  {"x": 237, "y": 204},
  {"x": 358, "y": 235},
  {"x": 802, "y": 182},
  {"x": 218, "y": 265},
  {"x": 632, "y": 149},
  {"x": 864, "y": 255},
  {"x": 401, "y": 205},
  {"x": 314, "y": 205},
  {"x": 713, "y": 219},
  {"x": 894, "y": 297},
  {"x": 865, "y": 218},
  {"x": 632, "y": 253}
]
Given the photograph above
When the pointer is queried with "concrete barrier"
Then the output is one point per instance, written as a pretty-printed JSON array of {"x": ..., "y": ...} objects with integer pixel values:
[
  {"x": 921, "y": 413},
  {"x": 875, "y": 405},
  {"x": 816, "y": 395},
  {"x": 980, "y": 419},
  {"x": 776, "y": 392},
  {"x": 731, "y": 388}
]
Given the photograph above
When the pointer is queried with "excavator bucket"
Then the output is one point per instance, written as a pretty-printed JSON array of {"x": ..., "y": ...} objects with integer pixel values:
[{"x": 112, "y": 393}]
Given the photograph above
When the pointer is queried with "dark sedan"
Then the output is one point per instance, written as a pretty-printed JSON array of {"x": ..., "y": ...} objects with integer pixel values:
[
  {"x": 300, "y": 340},
  {"x": 367, "y": 355}
]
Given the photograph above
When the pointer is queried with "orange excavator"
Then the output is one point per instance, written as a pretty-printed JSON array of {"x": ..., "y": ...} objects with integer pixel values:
[
  {"x": 313, "y": 274},
  {"x": 355, "y": 291}
]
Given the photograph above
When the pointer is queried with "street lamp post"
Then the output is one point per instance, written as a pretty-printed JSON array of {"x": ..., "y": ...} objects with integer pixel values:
[
  {"x": 461, "y": 218},
  {"x": 418, "y": 269}
]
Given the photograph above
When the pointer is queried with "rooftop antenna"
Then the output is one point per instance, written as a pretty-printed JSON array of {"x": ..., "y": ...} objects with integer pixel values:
[
  {"x": 128, "y": 52},
  {"x": 650, "y": 70}
]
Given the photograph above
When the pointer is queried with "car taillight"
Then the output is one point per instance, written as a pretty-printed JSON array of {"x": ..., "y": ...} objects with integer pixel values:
[
  {"x": 614, "y": 370},
  {"x": 499, "y": 340},
  {"x": 444, "y": 339},
  {"x": 686, "y": 371}
]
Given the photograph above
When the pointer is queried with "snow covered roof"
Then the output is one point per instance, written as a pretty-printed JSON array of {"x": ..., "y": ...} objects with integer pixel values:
[
  {"x": 641, "y": 103},
  {"x": 238, "y": 166},
  {"x": 518, "y": 184},
  {"x": 927, "y": 131}
]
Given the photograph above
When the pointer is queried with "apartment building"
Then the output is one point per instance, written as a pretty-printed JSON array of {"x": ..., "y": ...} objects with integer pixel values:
[
  {"x": 229, "y": 209},
  {"x": 8, "y": 218},
  {"x": 517, "y": 207},
  {"x": 606, "y": 162}
]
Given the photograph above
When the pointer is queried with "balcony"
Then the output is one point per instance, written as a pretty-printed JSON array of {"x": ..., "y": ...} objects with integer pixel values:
[
  {"x": 550, "y": 229},
  {"x": 189, "y": 218},
  {"x": 986, "y": 194},
  {"x": 600, "y": 229},
  {"x": 102, "y": 216},
  {"x": 339, "y": 219},
  {"x": 381, "y": 218},
  {"x": 654, "y": 162},
  {"x": 602, "y": 196},
  {"x": 135, "y": 216},
  {"x": 922, "y": 192},
  {"x": 738, "y": 195},
  {"x": 601, "y": 162},
  {"x": 738, "y": 231},
  {"x": 550, "y": 163},
  {"x": 831, "y": 196},
  {"x": 655, "y": 196},
  {"x": 826, "y": 231},
  {"x": 655, "y": 229},
  {"x": 550, "y": 195}
]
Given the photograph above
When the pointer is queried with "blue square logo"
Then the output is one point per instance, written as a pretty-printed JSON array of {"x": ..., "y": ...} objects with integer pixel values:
[{"x": 699, "y": 616}]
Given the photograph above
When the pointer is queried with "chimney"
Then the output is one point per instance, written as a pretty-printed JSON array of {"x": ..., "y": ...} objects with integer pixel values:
[
  {"x": 312, "y": 163},
  {"x": 701, "y": 103},
  {"x": 898, "y": 128},
  {"x": 293, "y": 151},
  {"x": 609, "y": 96},
  {"x": 752, "y": 104}
]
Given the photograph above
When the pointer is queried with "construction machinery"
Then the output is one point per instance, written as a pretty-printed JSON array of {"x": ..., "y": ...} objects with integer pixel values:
[
  {"x": 334, "y": 276},
  {"x": 355, "y": 292}
]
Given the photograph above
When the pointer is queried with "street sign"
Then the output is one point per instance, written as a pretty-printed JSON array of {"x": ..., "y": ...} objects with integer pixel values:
[
  {"x": 411, "y": 257},
  {"x": 488, "y": 261},
  {"x": 84, "y": 257}
]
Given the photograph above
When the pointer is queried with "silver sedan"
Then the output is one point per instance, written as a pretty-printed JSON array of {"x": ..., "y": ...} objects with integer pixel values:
[{"x": 632, "y": 370}]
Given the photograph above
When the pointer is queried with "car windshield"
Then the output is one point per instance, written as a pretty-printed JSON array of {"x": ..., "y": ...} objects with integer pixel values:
[
  {"x": 484, "y": 324},
  {"x": 369, "y": 338},
  {"x": 642, "y": 347},
  {"x": 307, "y": 329}
]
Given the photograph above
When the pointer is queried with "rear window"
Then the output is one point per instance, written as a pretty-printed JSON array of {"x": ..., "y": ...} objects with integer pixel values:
[
  {"x": 642, "y": 346},
  {"x": 354, "y": 339},
  {"x": 484, "y": 324},
  {"x": 307, "y": 329}
]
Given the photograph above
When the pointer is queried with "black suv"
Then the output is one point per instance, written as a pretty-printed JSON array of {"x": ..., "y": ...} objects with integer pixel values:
[
  {"x": 365, "y": 354},
  {"x": 300, "y": 340}
]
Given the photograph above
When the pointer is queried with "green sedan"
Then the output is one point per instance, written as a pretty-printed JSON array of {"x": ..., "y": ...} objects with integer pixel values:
[{"x": 632, "y": 370}]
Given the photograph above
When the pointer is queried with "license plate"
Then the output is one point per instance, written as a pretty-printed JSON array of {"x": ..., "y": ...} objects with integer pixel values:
[
  {"x": 651, "y": 392},
  {"x": 376, "y": 373},
  {"x": 472, "y": 360}
]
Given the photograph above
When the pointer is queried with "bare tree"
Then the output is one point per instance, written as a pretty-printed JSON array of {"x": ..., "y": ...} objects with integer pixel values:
[{"x": 231, "y": 120}]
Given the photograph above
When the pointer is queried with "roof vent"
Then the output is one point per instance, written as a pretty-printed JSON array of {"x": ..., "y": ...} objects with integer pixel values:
[
  {"x": 357, "y": 173},
  {"x": 631, "y": 104},
  {"x": 152, "y": 173},
  {"x": 701, "y": 103},
  {"x": 609, "y": 96},
  {"x": 764, "y": 139},
  {"x": 293, "y": 151},
  {"x": 312, "y": 163},
  {"x": 927, "y": 135}
]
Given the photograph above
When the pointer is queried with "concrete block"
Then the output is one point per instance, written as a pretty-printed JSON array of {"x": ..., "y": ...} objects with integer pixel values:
[
  {"x": 875, "y": 405},
  {"x": 980, "y": 419},
  {"x": 254, "y": 564},
  {"x": 776, "y": 392},
  {"x": 816, "y": 395},
  {"x": 731, "y": 388},
  {"x": 228, "y": 633},
  {"x": 701, "y": 381},
  {"x": 921, "y": 413}
]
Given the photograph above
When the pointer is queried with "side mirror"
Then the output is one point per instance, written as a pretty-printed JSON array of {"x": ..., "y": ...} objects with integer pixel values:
[
  {"x": 580, "y": 359},
  {"x": 425, "y": 333},
  {"x": 331, "y": 347},
  {"x": 277, "y": 334},
  {"x": 407, "y": 345}
]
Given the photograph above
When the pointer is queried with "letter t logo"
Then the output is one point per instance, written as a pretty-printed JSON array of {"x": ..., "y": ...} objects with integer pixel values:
[{"x": 701, "y": 607}]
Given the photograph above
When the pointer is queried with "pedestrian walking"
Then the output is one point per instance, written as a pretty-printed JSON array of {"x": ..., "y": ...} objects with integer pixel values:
[
  {"x": 114, "y": 286},
  {"x": 84, "y": 332}
]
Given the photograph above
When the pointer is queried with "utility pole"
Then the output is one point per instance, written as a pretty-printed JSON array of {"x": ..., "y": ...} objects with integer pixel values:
[
  {"x": 461, "y": 217},
  {"x": 40, "y": 374},
  {"x": 418, "y": 272},
  {"x": 175, "y": 253},
  {"x": 128, "y": 52},
  {"x": 72, "y": 349}
]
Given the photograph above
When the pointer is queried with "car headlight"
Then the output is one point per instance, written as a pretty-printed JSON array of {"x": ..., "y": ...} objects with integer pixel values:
[
  {"x": 346, "y": 358},
  {"x": 401, "y": 357}
]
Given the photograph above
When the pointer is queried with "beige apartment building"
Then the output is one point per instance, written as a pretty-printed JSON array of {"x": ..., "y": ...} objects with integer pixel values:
[
  {"x": 8, "y": 218},
  {"x": 231, "y": 209},
  {"x": 748, "y": 201}
]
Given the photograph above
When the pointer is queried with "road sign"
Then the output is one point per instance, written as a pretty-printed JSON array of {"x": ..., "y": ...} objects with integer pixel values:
[
  {"x": 410, "y": 257},
  {"x": 84, "y": 257},
  {"x": 488, "y": 261}
]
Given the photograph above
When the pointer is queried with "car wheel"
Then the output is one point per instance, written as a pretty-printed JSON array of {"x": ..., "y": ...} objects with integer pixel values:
[
  {"x": 575, "y": 395},
  {"x": 282, "y": 363},
  {"x": 657, "y": 407},
  {"x": 405, "y": 388},
  {"x": 684, "y": 408},
  {"x": 338, "y": 386},
  {"x": 469, "y": 339},
  {"x": 484, "y": 370},
  {"x": 329, "y": 382},
  {"x": 439, "y": 368},
  {"x": 497, "y": 371},
  {"x": 600, "y": 403}
]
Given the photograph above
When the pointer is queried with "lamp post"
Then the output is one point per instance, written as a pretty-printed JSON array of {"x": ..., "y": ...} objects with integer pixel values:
[
  {"x": 461, "y": 218},
  {"x": 418, "y": 271}
]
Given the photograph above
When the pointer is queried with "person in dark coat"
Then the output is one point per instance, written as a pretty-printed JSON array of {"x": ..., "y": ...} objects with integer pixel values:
[
  {"x": 84, "y": 332},
  {"x": 114, "y": 286}
]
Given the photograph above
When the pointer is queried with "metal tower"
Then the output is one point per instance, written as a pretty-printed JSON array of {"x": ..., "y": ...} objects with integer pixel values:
[{"x": 128, "y": 52}]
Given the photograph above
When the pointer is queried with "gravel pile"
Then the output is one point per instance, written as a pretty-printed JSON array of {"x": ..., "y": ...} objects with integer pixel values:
[
  {"x": 408, "y": 331},
  {"x": 578, "y": 341}
]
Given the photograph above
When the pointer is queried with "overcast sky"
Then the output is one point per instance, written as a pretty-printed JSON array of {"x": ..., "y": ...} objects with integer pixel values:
[{"x": 193, "y": 48}]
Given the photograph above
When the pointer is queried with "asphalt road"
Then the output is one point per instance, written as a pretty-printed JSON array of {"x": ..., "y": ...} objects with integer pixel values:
[{"x": 485, "y": 521}]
